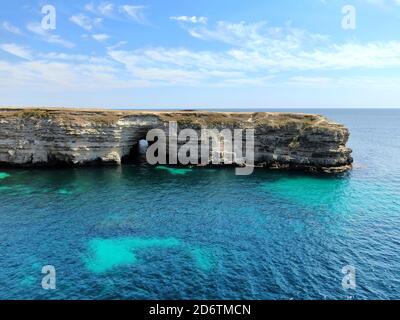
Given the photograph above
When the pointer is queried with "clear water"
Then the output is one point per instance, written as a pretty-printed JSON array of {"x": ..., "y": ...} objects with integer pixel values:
[{"x": 160, "y": 233}]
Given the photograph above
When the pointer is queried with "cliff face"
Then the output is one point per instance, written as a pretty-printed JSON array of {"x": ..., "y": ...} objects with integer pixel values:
[{"x": 81, "y": 137}]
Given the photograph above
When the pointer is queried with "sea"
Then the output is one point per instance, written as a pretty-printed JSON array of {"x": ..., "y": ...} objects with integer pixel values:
[{"x": 141, "y": 232}]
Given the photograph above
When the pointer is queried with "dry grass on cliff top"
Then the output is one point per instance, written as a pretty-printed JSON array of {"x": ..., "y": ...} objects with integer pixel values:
[
  {"x": 189, "y": 118},
  {"x": 247, "y": 119},
  {"x": 76, "y": 116}
]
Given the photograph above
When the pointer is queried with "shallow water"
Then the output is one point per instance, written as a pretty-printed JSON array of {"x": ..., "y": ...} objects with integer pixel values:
[{"x": 162, "y": 233}]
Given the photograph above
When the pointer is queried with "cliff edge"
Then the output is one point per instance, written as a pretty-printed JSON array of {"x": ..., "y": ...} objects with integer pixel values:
[{"x": 45, "y": 137}]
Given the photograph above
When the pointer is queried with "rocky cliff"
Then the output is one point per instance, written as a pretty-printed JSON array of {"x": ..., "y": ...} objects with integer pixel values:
[{"x": 44, "y": 137}]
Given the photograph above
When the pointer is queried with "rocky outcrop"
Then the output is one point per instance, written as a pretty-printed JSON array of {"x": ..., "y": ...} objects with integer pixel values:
[{"x": 44, "y": 137}]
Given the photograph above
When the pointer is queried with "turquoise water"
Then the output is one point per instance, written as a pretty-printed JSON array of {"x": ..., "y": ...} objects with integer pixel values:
[{"x": 160, "y": 233}]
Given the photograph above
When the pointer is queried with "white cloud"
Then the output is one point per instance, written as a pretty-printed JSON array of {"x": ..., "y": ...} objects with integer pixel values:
[
  {"x": 255, "y": 54},
  {"x": 256, "y": 35},
  {"x": 112, "y": 11},
  {"x": 258, "y": 46},
  {"x": 172, "y": 66},
  {"x": 106, "y": 8},
  {"x": 44, "y": 35},
  {"x": 193, "y": 19},
  {"x": 117, "y": 45},
  {"x": 90, "y": 7},
  {"x": 101, "y": 37},
  {"x": 340, "y": 82},
  {"x": 310, "y": 81},
  {"x": 11, "y": 28},
  {"x": 253, "y": 65},
  {"x": 58, "y": 71},
  {"x": 134, "y": 12},
  {"x": 376, "y": 2},
  {"x": 383, "y": 3},
  {"x": 62, "y": 56},
  {"x": 73, "y": 58},
  {"x": 85, "y": 22},
  {"x": 351, "y": 55},
  {"x": 16, "y": 50}
]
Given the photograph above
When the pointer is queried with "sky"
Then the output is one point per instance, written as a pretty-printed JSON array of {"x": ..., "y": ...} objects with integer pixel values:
[{"x": 200, "y": 54}]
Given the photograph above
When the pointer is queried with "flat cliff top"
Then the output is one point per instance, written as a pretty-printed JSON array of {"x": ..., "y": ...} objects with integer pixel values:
[{"x": 188, "y": 117}]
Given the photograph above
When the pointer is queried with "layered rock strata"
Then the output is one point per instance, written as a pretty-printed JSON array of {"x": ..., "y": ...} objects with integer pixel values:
[{"x": 76, "y": 137}]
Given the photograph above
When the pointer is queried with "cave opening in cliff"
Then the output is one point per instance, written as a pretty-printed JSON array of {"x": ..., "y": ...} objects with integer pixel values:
[{"x": 137, "y": 154}]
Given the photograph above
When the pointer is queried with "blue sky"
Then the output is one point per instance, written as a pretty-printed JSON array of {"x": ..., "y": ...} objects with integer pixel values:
[{"x": 212, "y": 54}]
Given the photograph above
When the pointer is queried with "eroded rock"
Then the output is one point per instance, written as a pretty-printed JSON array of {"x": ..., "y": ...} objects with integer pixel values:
[{"x": 44, "y": 137}]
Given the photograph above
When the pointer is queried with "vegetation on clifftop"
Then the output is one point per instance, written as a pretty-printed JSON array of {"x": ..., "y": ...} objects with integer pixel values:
[
  {"x": 194, "y": 119},
  {"x": 33, "y": 113}
]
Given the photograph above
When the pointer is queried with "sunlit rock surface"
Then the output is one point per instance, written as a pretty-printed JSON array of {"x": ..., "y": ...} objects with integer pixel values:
[{"x": 46, "y": 137}]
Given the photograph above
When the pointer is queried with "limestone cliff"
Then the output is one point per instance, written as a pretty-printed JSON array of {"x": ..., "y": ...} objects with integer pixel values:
[{"x": 44, "y": 137}]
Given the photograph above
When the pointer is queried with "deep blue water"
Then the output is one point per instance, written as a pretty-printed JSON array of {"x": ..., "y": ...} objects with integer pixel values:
[{"x": 153, "y": 233}]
